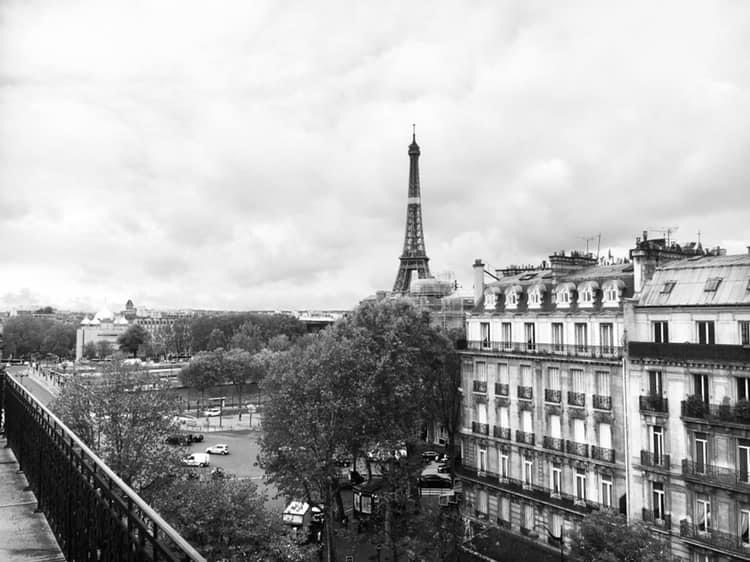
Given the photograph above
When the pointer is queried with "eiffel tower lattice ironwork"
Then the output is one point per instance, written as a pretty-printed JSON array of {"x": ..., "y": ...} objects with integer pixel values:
[{"x": 414, "y": 258}]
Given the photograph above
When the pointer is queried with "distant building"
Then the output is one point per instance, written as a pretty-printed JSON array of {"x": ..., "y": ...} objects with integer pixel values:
[{"x": 104, "y": 326}]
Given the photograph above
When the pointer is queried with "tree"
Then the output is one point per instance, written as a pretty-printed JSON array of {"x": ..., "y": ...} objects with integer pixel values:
[
  {"x": 103, "y": 349},
  {"x": 239, "y": 367},
  {"x": 216, "y": 339},
  {"x": 606, "y": 536},
  {"x": 131, "y": 340},
  {"x": 25, "y": 336},
  {"x": 89, "y": 350},
  {"x": 204, "y": 371},
  {"x": 248, "y": 337},
  {"x": 123, "y": 423}
]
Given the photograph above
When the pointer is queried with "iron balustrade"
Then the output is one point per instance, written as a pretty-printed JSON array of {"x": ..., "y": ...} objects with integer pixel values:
[
  {"x": 602, "y": 453},
  {"x": 714, "y": 537},
  {"x": 654, "y": 404},
  {"x": 501, "y": 389},
  {"x": 552, "y": 395},
  {"x": 655, "y": 460},
  {"x": 524, "y": 437},
  {"x": 602, "y": 402},
  {"x": 525, "y": 392},
  {"x": 480, "y": 386},
  {"x": 576, "y": 399},
  {"x": 552, "y": 443},
  {"x": 501, "y": 432},
  {"x": 705, "y": 472},
  {"x": 734, "y": 413},
  {"x": 661, "y": 520},
  {"x": 481, "y": 428},
  {"x": 536, "y": 348},
  {"x": 93, "y": 514},
  {"x": 575, "y": 448}
]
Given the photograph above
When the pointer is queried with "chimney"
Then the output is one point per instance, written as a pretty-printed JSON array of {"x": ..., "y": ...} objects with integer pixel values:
[{"x": 478, "y": 281}]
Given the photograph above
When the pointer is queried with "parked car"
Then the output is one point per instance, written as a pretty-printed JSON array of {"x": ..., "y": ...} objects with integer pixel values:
[
  {"x": 184, "y": 438},
  {"x": 212, "y": 412},
  {"x": 342, "y": 460},
  {"x": 218, "y": 449},
  {"x": 434, "y": 481},
  {"x": 197, "y": 459},
  {"x": 444, "y": 467},
  {"x": 429, "y": 456}
]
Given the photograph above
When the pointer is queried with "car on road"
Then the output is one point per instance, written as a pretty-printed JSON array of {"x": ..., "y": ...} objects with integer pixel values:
[
  {"x": 444, "y": 467},
  {"x": 429, "y": 456},
  {"x": 197, "y": 459},
  {"x": 434, "y": 481},
  {"x": 185, "y": 439},
  {"x": 212, "y": 412},
  {"x": 218, "y": 449}
]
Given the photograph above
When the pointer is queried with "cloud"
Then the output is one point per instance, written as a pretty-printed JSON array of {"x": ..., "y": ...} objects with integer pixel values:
[{"x": 254, "y": 156}]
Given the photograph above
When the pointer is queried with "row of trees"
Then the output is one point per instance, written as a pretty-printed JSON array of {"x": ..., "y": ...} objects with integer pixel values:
[{"x": 30, "y": 336}]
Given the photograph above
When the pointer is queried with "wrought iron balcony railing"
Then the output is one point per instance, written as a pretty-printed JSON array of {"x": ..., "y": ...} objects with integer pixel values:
[
  {"x": 501, "y": 389},
  {"x": 525, "y": 392},
  {"x": 501, "y": 432},
  {"x": 655, "y": 460},
  {"x": 657, "y": 519},
  {"x": 719, "y": 475},
  {"x": 574, "y": 448},
  {"x": 524, "y": 437},
  {"x": 713, "y": 537},
  {"x": 552, "y": 443},
  {"x": 738, "y": 412},
  {"x": 653, "y": 404},
  {"x": 537, "y": 348},
  {"x": 576, "y": 399},
  {"x": 602, "y": 454},
  {"x": 479, "y": 386},
  {"x": 601, "y": 402},
  {"x": 552, "y": 395},
  {"x": 480, "y": 428}
]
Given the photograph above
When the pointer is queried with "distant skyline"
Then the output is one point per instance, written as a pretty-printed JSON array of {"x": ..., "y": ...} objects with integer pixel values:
[{"x": 253, "y": 155}]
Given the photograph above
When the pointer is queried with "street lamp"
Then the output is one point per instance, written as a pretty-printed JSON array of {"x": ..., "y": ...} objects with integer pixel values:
[{"x": 378, "y": 548}]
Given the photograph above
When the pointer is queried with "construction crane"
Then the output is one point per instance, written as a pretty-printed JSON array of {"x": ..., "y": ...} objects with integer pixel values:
[{"x": 666, "y": 231}]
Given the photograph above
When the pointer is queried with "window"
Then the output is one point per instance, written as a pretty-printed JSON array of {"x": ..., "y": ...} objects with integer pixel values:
[
  {"x": 700, "y": 387},
  {"x": 579, "y": 431},
  {"x": 528, "y": 472},
  {"x": 667, "y": 287},
  {"x": 661, "y": 331},
  {"x": 504, "y": 416},
  {"x": 504, "y": 461},
  {"x": 743, "y": 530},
  {"x": 712, "y": 284},
  {"x": 701, "y": 453},
  {"x": 557, "y": 336},
  {"x": 587, "y": 296},
  {"x": 605, "y": 492},
  {"x": 607, "y": 337},
  {"x": 743, "y": 460},
  {"x": 563, "y": 297},
  {"x": 706, "y": 332},
  {"x": 526, "y": 375},
  {"x": 481, "y": 371},
  {"x": 527, "y": 423},
  {"x": 528, "y": 516},
  {"x": 657, "y": 443},
  {"x": 602, "y": 383},
  {"x": 555, "y": 526},
  {"x": 578, "y": 383},
  {"x": 507, "y": 335},
  {"x": 485, "y": 333},
  {"x": 556, "y": 479},
  {"x": 482, "y": 413},
  {"x": 366, "y": 504},
  {"x": 504, "y": 514},
  {"x": 605, "y": 436},
  {"x": 482, "y": 460},
  {"x": 511, "y": 299},
  {"x": 580, "y": 484},
  {"x": 490, "y": 300},
  {"x": 581, "y": 337},
  {"x": 654, "y": 383},
  {"x": 657, "y": 499},
  {"x": 554, "y": 427},
  {"x": 703, "y": 513},
  {"x": 483, "y": 503},
  {"x": 530, "y": 335},
  {"x": 553, "y": 378},
  {"x": 743, "y": 388},
  {"x": 535, "y": 298},
  {"x": 611, "y": 293},
  {"x": 502, "y": 373},
  {"x": 744, "y": 326}
]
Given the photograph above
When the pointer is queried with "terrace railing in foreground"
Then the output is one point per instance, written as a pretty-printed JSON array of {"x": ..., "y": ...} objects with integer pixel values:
[{"x": 92, "y": 512}]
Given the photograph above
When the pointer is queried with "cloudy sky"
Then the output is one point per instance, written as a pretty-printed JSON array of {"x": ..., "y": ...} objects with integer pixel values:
[{"x": 245, "y": 155}]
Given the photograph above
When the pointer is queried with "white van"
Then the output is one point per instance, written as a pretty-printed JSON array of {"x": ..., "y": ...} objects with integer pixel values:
[{"x": 197, "y": 459}]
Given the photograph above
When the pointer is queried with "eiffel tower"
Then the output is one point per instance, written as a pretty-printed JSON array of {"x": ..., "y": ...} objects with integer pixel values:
[{"x": 414, "y": 260}]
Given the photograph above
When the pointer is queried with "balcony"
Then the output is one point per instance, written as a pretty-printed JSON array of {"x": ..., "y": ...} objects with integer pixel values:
[
  {"x": 714, "y": 538},
  {"x": 662, "y": 521},
  {"x": 576, "y": 399},
  {"x": 524, "y": 437},
  {"x": 552, "y": 395},
  {"x": 601, "y": 402},
  {"x": 533, "y": 492},
  {"x": 698, "y": 410},
  {"x": 480, "y": 387},
  {"x": 574, "y": 448},
  {"x": 480, "y": 428},
  {"x": 501, "y": 389},
  {"x": 651, "y": 404},
  {"x": 602, "y": 454},
  {"x": 536, "y": 348},
  {"x": 683, "y": 352},
  {"x": 501, "y": 432},
  {"x": 653, "y": 460},
  {"x": 705, "y": 473},
  {"x": 525, "y": 392},
  {"x": 552, "y": 443}
]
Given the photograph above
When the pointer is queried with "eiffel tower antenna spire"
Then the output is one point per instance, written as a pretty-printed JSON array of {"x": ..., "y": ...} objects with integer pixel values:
[{"x": 414, "y": 258}]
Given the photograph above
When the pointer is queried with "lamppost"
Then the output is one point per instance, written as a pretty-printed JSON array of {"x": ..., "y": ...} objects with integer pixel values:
[{"x": 378, "y": 548}]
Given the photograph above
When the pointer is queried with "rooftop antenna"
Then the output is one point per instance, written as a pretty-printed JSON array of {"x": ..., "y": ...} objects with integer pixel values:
[
  {"x": 666, "y": 231},
  {"x": 588, "y": 239},
  {"x": 699, "y": 236},
  {"x": 414, "y": 132}
]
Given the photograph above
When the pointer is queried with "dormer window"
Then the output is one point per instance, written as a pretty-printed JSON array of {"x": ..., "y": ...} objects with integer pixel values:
[
  {"x": 490, "y": 300},
  {"x": 612, "y": 292},
  {"x": 534, "y": 298},
  {"x": 536, "y": 295},
  {"x": 712, "y": 284},
  {"x": 587, "y": 294},
  {"x": 667, "y": 287},
  {"x": 512, "y": 296},
  {"x": 564, "y": 295}
]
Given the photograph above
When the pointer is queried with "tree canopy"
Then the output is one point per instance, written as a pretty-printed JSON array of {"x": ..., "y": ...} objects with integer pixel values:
[
  {"x": 26, "y": 336},
  {"x": 132, "y": 339}
]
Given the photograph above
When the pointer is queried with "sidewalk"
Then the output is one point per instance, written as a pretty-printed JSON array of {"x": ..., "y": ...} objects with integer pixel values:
[{"x": 24, "y": 535}]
